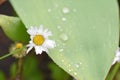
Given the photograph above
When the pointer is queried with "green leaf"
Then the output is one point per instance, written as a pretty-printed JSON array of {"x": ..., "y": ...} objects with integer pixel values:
[
  {"x": 14, "y": 28},
  {"x": 30, "y": 66},
  {"x": 117, "y": 77},
  {"x": 13, "y": 70},
  {"x": 113, "y": 71},
  {"x": 86, "y": 32},
  {"x": 58, "y": 73},
  {"x": 31, "y": 70},
  {"x": 2, "y": 76}
]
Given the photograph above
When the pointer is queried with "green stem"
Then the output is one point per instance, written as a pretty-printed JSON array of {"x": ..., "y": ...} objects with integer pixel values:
[
  {"x": 16, "y": 51},
  {"x": 113, "y": 71},
  {"x": 19, "y": 69}
]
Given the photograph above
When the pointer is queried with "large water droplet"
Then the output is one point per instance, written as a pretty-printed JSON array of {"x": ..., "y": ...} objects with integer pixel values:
[
  {"x": 80, "y": 62},
  {"x": 59, "y": 28},
  {"x": 70, "y": 70},
  {"x": 49, "y": 10},
  {"x": 66, "y": 10},
  {"x": 62, "y": 60},
  {"x": 63, "y": 19},
  {"x": 69, "y": 65},
  {"x": 63, "y": 37},
  {"x": 75, "y": 73},
  {"x": 60, "y": 50},
  {"x": 77, "y": 65}
]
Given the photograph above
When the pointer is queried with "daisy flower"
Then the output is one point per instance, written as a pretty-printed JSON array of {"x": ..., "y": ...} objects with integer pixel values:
[{"x": 39, "y": 39}]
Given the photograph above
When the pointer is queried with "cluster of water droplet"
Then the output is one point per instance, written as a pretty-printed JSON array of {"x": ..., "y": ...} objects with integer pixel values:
[{"x": 63, "y": 38}]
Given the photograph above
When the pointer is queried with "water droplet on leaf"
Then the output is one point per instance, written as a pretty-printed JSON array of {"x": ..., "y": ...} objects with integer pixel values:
[
  {"x": 77, "y": 65},
  {"x": 63, "y": 37},
  {"x": 66, "y": 10},
  {"x": 75, "y": 73},
  {"x": 69, "y": 70},
  {"x": 49, "y": 10},
  {"x": 59, "y": 28},
  {"x": 62, "y": 60},
  {"x": 61, "y": 50},
  {"x": 63, "y": 19}
]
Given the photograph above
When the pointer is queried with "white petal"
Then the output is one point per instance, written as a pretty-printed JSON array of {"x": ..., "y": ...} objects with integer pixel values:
[
  {"x": 46, "y": 30},
  {"x": 113, "y": 62},
  {"x": 49, "y": 44},
  {"x": 29, "y": 49},
  {"x": 31, "y": 31},
  {"x": 118, "y": 53},
  {"x": 116, "y": 59},
  {"x": 29, "y": 45},
  {"x": 47, "y": 33},
  {"x": 38, "y": 49},
  {"x": 45, "y": 49},
  {"x": 40, "y": 29}
]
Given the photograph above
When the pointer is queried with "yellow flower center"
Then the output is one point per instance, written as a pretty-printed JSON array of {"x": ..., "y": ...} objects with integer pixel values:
[
  {"x": 19, "y": 45},
  {"x": 38, "y": 39}
]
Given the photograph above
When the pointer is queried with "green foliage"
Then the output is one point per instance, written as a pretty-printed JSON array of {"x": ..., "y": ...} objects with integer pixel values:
[
  {"x": 58, "y": 73},
  {"x": 113, "y": 71},
  {"x": 13, "y": 70},
  {"x": 31, "y": 70},
  {"x": 14, "y": 28},
  {"x": 2, "y": 76},
  {"x": 117, "y": 77}
]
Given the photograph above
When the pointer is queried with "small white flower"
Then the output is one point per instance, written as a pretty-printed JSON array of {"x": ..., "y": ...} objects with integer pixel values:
[
  {"x": 117, "y": 57},
  {"x": 39, "y": 39}
]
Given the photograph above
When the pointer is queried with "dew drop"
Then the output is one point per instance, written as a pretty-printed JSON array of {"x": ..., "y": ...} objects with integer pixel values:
[
  {"x": 63, "y": 44},
  {"x": 66, "y": 10},
  {"x": 70, "y": 70},
  {"x": 77, "y": 65},
  {"x": 80, "y": 62},
  {"x": 59, "y": 27},
  {"x": 63, "y": 19},
  {"x": 69, "y": 65},
  {"x": 75, "y": 73},
  {"x": 61, "y": 50},
  {"x": 63, "y": 37},
  {"x": 62, "y": 60},
  {"x": 49, "y": 10}
]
